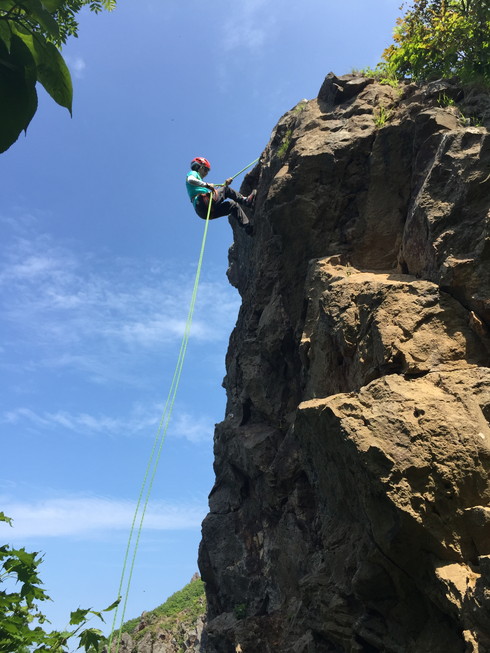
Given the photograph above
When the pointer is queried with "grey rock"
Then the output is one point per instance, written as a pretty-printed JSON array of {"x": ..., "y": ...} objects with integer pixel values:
[{"x": 352, "y": 498}]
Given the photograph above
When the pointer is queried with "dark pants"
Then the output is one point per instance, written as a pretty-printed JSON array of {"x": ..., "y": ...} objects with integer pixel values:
[{"x": 226, "y": 203}]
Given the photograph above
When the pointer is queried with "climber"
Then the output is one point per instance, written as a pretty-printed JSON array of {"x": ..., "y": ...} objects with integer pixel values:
[{"x": 225, "y": 200}]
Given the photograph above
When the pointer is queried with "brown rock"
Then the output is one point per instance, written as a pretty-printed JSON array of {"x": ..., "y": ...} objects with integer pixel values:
[
  {"x": 363, "y": 325},
  {"x": 352, "y": 499}
]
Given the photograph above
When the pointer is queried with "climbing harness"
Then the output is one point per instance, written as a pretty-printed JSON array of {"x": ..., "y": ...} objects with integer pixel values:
[{"x": 151, "y": 468}]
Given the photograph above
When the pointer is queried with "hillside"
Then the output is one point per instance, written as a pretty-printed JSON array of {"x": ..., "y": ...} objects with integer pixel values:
[{"x": 173, "y": 627}]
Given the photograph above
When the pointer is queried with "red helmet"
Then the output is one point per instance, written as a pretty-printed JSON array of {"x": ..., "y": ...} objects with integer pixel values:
[{"x": 200, "y": 161}]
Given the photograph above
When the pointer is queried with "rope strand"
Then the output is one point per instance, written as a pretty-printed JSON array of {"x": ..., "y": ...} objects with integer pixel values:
[
  {"x": 242, "y": 170},
  {"x": 156, "y": 451}
]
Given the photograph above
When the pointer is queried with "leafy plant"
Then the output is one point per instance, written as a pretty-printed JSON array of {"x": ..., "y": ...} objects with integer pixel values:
[
  {"x": 183, "y": 607},
  {"x": 381, "y": 116},
  {"x": 445, "y": 101},
  {"x": 476, "y": 121},
  {"x": 189, "y": 598},
  {"x": 442, "y": 38},
  {"x": 473, "y": 121},
  {"x": 381, "y": 74},
  {"x": 21, "y": 621},
  {"x": 286, "y": 142},
  {"x": 240, "y": 610},
  {"x": 31, "y": 35},
  {"x": 300, "y": 106}
]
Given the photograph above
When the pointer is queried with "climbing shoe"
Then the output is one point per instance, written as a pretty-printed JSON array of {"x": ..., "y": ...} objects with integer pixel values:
[{"x": 250, "y": 200}]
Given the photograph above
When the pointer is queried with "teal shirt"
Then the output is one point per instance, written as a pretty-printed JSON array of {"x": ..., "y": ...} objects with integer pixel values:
[{"x": 194, "y": 191}]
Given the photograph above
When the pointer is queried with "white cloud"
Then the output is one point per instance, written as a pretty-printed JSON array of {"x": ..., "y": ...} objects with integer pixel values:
[
  {"x": 23, "y": 414},
  {"x": 19, "y": 222},
  {"x": 82, "y": 309},
  {"x": 246, "y": 36},
  {"x": 141, "y": 421},
  {"x": 89, "y": 516},
  {"x": 194, "y": 429},
  {"x": 76, "y": 65},
  {"x": 249, "y": 27}
]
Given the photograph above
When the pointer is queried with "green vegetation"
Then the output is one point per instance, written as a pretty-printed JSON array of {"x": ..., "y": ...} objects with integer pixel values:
[
  {"x": 381, "y": 74},
  {"x": 283, "y": 148},
  {"x": 445, "y": 101},
  {"x": 300, "y": 106},
  {"x": 442, "y": 38},
  {"x": 286, "y": 142},
  {"x": 22, "y": 622},
  {"x": 240, "y": 610},
  {"x": 31, "y": 35},
  {"x": 179, "y": 612},
  {"x": 476, "y": 121},
  {"x": 381, "y": 116}
]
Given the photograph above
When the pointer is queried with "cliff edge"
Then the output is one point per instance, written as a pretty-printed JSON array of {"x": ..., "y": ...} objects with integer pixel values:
[{"x": 351, "y": 506}]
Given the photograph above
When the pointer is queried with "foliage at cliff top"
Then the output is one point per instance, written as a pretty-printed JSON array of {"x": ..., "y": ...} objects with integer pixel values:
[
  {"x": 31, "y": 35},
  {"x": 181, "y": 609},
  {"x": 442, "y": 38},
  {"x": 22, "y": 622}
]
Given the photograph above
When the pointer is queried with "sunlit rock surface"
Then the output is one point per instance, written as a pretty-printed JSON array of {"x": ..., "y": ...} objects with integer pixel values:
[{"x": 351, "y": 506}]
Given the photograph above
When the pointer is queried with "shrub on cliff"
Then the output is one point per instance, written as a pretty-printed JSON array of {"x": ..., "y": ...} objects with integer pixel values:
[
  {"x": 442, "y": 38},
  {"x": 180, "y": 610}
]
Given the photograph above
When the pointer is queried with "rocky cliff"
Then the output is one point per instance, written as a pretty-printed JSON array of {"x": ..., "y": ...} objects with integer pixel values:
[
  {"x": 351, "y": 505},
  {"x": 176, "y": 626}
]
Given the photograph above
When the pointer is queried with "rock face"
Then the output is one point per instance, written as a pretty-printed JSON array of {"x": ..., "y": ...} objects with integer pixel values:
[
  {"x": 183, "y": 640},
  {"x": 351, "y": 507},
  {"x": 176, "y": 626}
]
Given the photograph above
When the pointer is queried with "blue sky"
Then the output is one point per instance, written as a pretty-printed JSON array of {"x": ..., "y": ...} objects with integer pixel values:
[{"x": 97, "y": 260}]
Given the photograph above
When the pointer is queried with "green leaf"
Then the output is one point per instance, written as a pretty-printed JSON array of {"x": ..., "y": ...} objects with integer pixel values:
[
  {"x": 3, "y": 517},
  {"x": 78, "y": 616},
  {"x": 18, "y": 97},
  {"x": 35, "y": 9},
  {"x": 52, "y": 5},
  {"x": 21, "y": 59},
  {"x": 5, "y": 35},
  {"x": 90, "y": 639},
  {"x": 97, "y": 614},
  {"x": 54, "y": 75},
  {"x": 113, "y": 605},
  {"x": 52, "y": 71},
  {"x": 10, "y": 627}
]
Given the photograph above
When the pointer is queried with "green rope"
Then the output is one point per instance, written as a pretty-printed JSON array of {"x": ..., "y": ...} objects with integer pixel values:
[
  {"x": 154, "y": 459},
  {"x": 242, "y": 170},
  {"x": 246, "y": 168}
]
